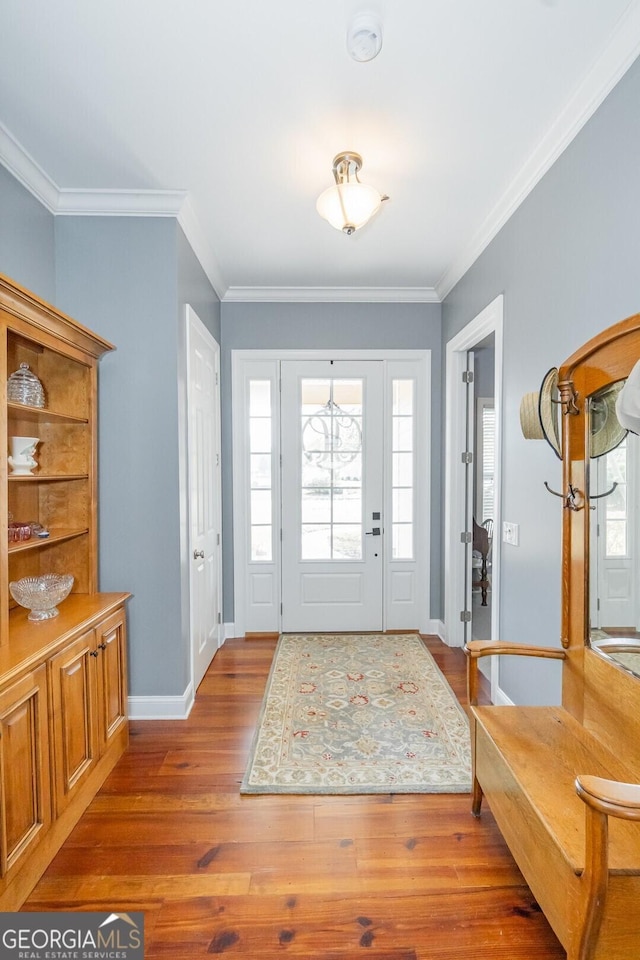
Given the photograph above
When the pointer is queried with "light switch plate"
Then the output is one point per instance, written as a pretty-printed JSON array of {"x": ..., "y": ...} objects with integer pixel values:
[{"x": 511, "y": 533}]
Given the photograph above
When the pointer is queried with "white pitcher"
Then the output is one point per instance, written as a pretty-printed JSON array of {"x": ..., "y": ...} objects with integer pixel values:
[{"x": 22, "y": 460}]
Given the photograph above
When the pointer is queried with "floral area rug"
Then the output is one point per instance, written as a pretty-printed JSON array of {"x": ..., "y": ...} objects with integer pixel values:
[{"x": 365, "y": 713}]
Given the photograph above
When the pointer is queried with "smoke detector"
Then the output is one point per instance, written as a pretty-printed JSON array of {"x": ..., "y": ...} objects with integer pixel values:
[{"x": 364, "y": 37}]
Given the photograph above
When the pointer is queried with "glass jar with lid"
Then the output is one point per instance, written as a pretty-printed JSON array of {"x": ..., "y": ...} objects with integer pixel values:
[{"x": 24, "y": 387}]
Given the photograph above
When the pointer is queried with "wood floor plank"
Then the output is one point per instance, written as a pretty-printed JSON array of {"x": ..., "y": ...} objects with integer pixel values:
[{"x": 389, "y": 877}]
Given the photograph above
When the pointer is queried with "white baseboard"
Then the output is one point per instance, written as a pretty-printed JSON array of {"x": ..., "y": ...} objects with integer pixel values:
[
  {"x": 502, "y": 700},
  {"x": 437, "y": 627},
  {"x": 161, "y": 708},
  {"x": 229, "y": 630}
]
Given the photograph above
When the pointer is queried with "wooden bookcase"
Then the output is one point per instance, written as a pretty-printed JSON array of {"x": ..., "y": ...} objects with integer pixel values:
[{"x": 62, "y": 681}]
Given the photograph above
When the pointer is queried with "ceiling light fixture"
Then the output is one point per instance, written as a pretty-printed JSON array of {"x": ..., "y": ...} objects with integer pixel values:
[{"x": 349, "y": 204}]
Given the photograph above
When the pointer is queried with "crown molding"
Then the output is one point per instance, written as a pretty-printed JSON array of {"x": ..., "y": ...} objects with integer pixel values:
[
  {"x": 331, "y": 295},
  {"x": 194, "y": 233},
  {"x": 622, "y": 49},
  {"x": 61, "y": 201},
  {"x": 24, "y": 168},
  {"x": 119, "y": 203}
]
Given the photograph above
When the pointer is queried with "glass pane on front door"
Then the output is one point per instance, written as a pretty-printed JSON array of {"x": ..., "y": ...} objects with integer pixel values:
[{"x": 331, "y": 474}]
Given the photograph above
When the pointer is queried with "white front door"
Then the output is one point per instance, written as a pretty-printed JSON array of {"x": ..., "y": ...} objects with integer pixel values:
[
  {"x": 204, "y": 494},
  {"x": 332, "y": 495}
]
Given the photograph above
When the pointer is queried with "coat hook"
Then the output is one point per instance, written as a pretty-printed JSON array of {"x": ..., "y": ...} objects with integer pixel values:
[
  {"x": 570, "y": 401},
  {"x": 569, "y": 498},
  {"x": 599, "y": 496}
]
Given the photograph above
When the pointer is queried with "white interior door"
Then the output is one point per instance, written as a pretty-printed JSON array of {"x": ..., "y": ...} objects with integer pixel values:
[
  {"x": 204, "y": 495},
  {"x": 332, "y": 495}
]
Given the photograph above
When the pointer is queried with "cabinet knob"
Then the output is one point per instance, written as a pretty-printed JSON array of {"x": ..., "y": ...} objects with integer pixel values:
[
  {"x": 102, "y": 646},
  {"x": 198, "y": 553},
  {"x": 94, "y": 653}
]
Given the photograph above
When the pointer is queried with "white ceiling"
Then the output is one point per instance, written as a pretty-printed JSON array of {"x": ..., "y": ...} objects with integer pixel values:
[{"x": 228, "y": 115}]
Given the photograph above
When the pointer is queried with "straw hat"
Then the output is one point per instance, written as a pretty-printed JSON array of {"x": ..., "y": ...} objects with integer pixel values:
[
  {"x": 628, "y": 402},
  {"x": 606, "y": 430},
  {"x": 529, "y": 419},
  {"x": 539, "y": 413},
  {"x": 548, "y": 408}
]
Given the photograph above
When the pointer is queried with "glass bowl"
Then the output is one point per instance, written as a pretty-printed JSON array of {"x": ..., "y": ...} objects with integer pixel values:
[{"x": 40, "y": 594}]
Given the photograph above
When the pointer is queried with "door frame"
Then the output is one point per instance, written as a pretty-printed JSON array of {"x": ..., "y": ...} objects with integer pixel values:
[
  {"x": 489, "y": 320},
  {"x": 239, "y": 361},
  {"x": 191, "y": 318}
]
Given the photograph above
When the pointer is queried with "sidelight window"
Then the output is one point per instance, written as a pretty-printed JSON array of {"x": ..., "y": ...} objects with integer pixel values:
[
  {"x": 403, "y": 469},
  {"x": 261, "y": 470}
]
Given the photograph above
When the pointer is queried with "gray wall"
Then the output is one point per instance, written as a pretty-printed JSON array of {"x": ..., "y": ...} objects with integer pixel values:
[
  {"x": 129, "y": 279},
  {"x": 567, "y": 264},
  {"x": 118, "y": 276},
  {"x": 340, "y": 326},
  {"x": 484, "y": 364},
  {"x": 27, "y": 252}
]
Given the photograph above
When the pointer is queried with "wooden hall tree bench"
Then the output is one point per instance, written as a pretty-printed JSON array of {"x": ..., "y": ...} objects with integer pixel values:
[{"x": 563, "y": 782}]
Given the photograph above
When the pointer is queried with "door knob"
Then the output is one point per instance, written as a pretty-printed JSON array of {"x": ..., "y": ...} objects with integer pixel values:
[
  {"x": 198, "y": 554},
  {"x": 373, "y": 533}
]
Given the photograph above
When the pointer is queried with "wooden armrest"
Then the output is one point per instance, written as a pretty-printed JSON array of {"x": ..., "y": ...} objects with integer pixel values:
[
  {"x": 487, "y": 648},
  {"x": 603, "y": 798},
  {"x": 611, "y": 797}
]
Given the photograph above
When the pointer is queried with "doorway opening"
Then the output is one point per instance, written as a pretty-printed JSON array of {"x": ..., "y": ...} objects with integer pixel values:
[{"x": 472, "y": 479}]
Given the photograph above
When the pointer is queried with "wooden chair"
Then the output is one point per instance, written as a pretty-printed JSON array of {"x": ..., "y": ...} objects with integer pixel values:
[
  {"x": 481, "y": 547},
  {"x": 563, "y": 782}
]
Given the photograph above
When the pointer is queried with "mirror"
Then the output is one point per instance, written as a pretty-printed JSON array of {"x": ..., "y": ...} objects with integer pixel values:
[{"x": 614, "y": 552}]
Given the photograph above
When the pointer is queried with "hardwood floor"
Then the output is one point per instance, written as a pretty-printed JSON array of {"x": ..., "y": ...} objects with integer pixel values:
[{"x": 386, "y": 877}]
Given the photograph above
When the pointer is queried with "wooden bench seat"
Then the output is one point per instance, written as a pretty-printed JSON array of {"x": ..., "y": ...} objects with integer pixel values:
[
  {"x": 566, "y": 795},
  {"x": 544, "y": 750}
]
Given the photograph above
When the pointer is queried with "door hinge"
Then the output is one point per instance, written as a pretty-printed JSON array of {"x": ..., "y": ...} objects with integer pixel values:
[
  {"x": 217, "y": 539},
  {"x": 465, "y": 616},
  {"x": 219, "y": 618},
  {"x": 467, "y": 376},
  {"x": 216, "y": 379},
  {"x": 465, "y": 537},
  {"x": 466, "y": 456},
  {"x": 217, "y": 459},
  {"x": 281, "y": 609},
  {"x": 598, "y": 603}
]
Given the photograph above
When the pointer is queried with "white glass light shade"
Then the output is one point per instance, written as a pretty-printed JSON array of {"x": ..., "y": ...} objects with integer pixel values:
[{"x": 348, "y": 206}]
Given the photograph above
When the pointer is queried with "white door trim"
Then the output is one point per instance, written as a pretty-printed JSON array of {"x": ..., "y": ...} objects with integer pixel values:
[
  {"x": 239, "y": 360},
  {"x": 490, "y": 320}
]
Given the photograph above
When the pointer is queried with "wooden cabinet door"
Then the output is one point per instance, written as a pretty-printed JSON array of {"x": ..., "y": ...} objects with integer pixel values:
[
  {"x": 25, "y": 800},
  {"x": 112, "y": 685},
  {"x": 73, "y": 698}
]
